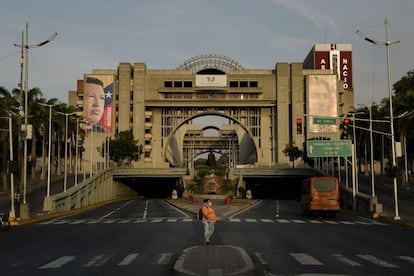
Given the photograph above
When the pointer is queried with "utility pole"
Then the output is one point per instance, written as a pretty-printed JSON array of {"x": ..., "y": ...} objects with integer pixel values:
[{"x": 25, "y": 45}]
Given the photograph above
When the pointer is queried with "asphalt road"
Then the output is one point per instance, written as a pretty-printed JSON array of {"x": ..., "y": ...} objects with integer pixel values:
[{"x": 146, "y": 237}]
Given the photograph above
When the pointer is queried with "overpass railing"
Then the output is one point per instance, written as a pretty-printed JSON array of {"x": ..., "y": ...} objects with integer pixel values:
[
  {"x": 102, "y": 187},
  {"x": 95, "y": 189}
]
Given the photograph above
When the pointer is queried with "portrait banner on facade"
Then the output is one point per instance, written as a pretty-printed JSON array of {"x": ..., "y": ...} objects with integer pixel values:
[
  {"x": 322, "y": 103},
  {"x": 98, "y": 102}
]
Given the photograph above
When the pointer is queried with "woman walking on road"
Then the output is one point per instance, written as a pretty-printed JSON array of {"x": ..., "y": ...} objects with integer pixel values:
[{"x": 209, "y": 219}]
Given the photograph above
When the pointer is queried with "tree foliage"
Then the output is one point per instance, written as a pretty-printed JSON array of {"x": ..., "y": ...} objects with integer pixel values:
[{"x": 124, "y": 148}]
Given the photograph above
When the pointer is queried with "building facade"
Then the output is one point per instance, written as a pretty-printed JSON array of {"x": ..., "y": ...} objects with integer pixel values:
[{"x": 260, "y": 107}]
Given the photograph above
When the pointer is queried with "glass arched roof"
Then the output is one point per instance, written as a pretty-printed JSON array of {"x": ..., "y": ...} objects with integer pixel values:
[{"x": 210, "y": 61}]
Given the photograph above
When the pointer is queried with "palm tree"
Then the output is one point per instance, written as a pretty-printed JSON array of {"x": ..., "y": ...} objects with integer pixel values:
[{"x": 7, "y": 103}]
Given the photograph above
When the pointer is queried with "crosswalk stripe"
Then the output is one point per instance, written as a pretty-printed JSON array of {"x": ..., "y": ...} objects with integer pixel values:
[
  {"x": 315, "y": 221},
  {"x": 77, "y": 222},
  {"x": 58, "y": 262},
  {"x": 98, "y": 260},
  {"x": 346, "y": 222},
  {"x": 93, "y": 221},
  {"x": 347, "y": 260},
  {"x": 164, "y": 258},
  {"x": 407, "y": 259},
  {"x": 305, "y": 259},
  {"x": 376, "y": 261},
  {"x": 175, "y": 219},
  {"x": 363, "y": 222},
  {"x": 128, "y": 259}
]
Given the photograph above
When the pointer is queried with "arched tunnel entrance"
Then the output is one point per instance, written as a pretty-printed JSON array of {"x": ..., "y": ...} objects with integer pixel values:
[
  {"x": 283, "y": 184},
  {"x": 152, "y": 187}
]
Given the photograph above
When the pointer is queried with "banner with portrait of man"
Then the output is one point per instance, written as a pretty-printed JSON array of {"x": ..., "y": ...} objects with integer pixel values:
[
  {"x": 98, "y": 95},
  {"x": 322, "y": 103}
]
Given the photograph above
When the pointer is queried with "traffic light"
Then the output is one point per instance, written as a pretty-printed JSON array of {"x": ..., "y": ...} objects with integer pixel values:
[
  {"x": 345, "y": 128},
  {"x": 299, "y": 125}
]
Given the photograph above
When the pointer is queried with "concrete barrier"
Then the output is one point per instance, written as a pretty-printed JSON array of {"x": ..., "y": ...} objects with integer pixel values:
[
  {"x": 361, "y": 202},
  {"x": 96, "y": 189}
]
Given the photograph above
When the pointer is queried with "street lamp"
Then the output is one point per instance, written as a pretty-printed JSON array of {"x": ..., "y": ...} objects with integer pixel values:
[
  {"x": 25, "y": 45},
  {"x": 65, "y": 180},
  {"x": 387, "y": 44},
  {"x": 77, "y": 148},
  {"x": 372, "y": 151},
  {"x": 49, "y": 146}
]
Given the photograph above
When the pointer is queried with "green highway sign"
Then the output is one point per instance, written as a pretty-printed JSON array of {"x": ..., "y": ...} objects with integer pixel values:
[
  {"x": 329, "y": 148},
  {"x": 324, "y": 121}
]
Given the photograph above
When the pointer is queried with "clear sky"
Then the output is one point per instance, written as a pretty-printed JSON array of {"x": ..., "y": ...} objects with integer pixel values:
[{"x": 98, "y": 34}]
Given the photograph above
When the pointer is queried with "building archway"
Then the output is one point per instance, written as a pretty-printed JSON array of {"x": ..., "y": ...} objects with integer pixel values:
[{"x": 177, "y": 141}]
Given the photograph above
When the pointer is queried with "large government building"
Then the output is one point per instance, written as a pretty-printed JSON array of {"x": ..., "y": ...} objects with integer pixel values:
[{"x": 255, "y": 113}]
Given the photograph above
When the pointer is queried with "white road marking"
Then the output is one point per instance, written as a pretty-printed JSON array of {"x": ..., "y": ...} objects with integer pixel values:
[
  {"x": 261, "y": 258},
  {"x": 376, "y": 261},
  {"x": 107, "y": 215},
  {"x": 346, "y": 222},
  {"x": 305, "y": 259},
  {"x": 347, "y": 260},
  {"x": 407, "y": 259},
  {"x": 128, "y": 259},
  {"x": 298, "y": 221},
  {"x": 98, "y": 260},
  {"x": 315, "y": 221},
  {"x": 164, "y": 258},
  {"x": 58, "y": 262}
]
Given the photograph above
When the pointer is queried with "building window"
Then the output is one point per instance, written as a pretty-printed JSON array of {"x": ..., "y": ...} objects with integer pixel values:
[
  {"x": 243, "y": 84},
  {"x": 178, "y": 84},
  {"x": 234, "y": 84},
  {"x": 188, "y": 84},
  {"x": 253, "y": 84},
  {"x": 167, "y": 83}
]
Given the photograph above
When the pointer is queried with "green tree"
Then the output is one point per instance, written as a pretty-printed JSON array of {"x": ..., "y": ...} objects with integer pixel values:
[
  {"x": 8, "y": 102},
  {"x": 124, "y": 148},
  {"x": 293, "y": 152}
]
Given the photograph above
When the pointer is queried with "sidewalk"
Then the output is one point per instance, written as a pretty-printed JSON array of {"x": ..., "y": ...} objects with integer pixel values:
[{"x": 35, "y": 192}]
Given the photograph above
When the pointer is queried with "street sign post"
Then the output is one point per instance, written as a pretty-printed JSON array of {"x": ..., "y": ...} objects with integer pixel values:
[{"x": 329, "y": 148}]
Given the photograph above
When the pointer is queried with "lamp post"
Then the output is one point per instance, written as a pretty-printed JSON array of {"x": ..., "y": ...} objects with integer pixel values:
[
  {"x": 372, "y": 151},
  {"x": 78, "y": 121},
  {"x": 49, "y": 146},
  {"x": 387, "y": 44},
  {"x": 65, "y": 180},
  {"x": 25, "y": 45}
]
